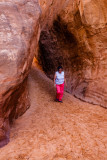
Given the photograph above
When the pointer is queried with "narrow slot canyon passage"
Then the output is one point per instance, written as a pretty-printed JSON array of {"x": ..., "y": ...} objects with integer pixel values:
[
  {"x": 73, "y": 130},
  {"x": 71, "y": 33}
]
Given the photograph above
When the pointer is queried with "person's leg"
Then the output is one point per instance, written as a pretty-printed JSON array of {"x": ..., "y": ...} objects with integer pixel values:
[
  {"x": 57, "y": 91},
  {"x": 61, "y": 92}
]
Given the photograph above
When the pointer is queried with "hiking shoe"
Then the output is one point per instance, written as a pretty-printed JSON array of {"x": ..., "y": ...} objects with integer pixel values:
[
  {"x": 60, "y": 101},
  {"x": 57, "y": 100}
]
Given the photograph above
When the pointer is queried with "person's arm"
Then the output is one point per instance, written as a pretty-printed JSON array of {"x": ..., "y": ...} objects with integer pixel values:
[
  {"x": 54, "y": 80},
  {"x": 65, "y": 81}
]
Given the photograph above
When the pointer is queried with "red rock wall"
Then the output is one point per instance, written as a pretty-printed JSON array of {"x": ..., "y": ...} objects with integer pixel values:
[
  {"x": 73, "y": 33},
  {"x": 77, "y": 39},
  {"x": 19, "y": 33}
]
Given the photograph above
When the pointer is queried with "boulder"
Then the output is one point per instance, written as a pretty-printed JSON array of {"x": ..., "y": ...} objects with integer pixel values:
[{"x": 19, "y": 34}]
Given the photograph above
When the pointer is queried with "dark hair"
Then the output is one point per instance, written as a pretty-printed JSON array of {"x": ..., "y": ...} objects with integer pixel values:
[{"x": 59, "y": 67}]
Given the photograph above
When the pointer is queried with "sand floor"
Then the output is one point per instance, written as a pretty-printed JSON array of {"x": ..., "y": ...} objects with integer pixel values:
[{"x": 74, "y": 130}]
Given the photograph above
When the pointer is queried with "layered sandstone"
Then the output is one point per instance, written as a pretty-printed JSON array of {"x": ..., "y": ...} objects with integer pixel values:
[
  {"x": 77, "y": 39},
  {"x": 19, "y": 32},
  {"x": 73, "y": 33}
]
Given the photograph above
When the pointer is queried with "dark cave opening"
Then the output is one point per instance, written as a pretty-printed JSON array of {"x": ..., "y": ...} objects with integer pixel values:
[{"x": 57, "y": 46}]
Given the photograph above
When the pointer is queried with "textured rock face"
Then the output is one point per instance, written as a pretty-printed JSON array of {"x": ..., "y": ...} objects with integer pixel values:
[
  {"x": 19, "y": 33},
  {"x": 77, "y": 39},
  {"x": 73, "y": 33}
]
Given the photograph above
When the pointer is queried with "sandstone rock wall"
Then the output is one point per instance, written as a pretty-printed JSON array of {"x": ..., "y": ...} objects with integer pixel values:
[
  {"x": 77, "y": 39},
  {"x": 73, "y": 33},
  {"x": 19, "y": 33}
]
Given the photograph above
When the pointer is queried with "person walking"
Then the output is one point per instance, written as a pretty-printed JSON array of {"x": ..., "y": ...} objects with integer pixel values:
[{"x": 59, "y": 81}]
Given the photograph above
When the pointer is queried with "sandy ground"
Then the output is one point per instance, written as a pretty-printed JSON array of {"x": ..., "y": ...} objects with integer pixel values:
[{"x": 49, "y": 130}]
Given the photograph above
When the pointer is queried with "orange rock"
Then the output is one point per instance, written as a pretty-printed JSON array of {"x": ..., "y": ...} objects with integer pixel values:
[
  {"x": 73, "y": 33},
  {"x": 77, "y": 39},
  {"x": 19, "y": 32}
]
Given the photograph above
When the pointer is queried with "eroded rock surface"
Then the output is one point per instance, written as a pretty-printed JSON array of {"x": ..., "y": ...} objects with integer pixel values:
[
  {"x": 19, "y": 31},
  {"x": 73, "y": 33},
  {"x": 77, "y": 39}
]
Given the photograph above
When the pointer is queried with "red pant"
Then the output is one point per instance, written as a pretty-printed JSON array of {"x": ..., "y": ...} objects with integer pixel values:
[{"x": 59, "y": 91}]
